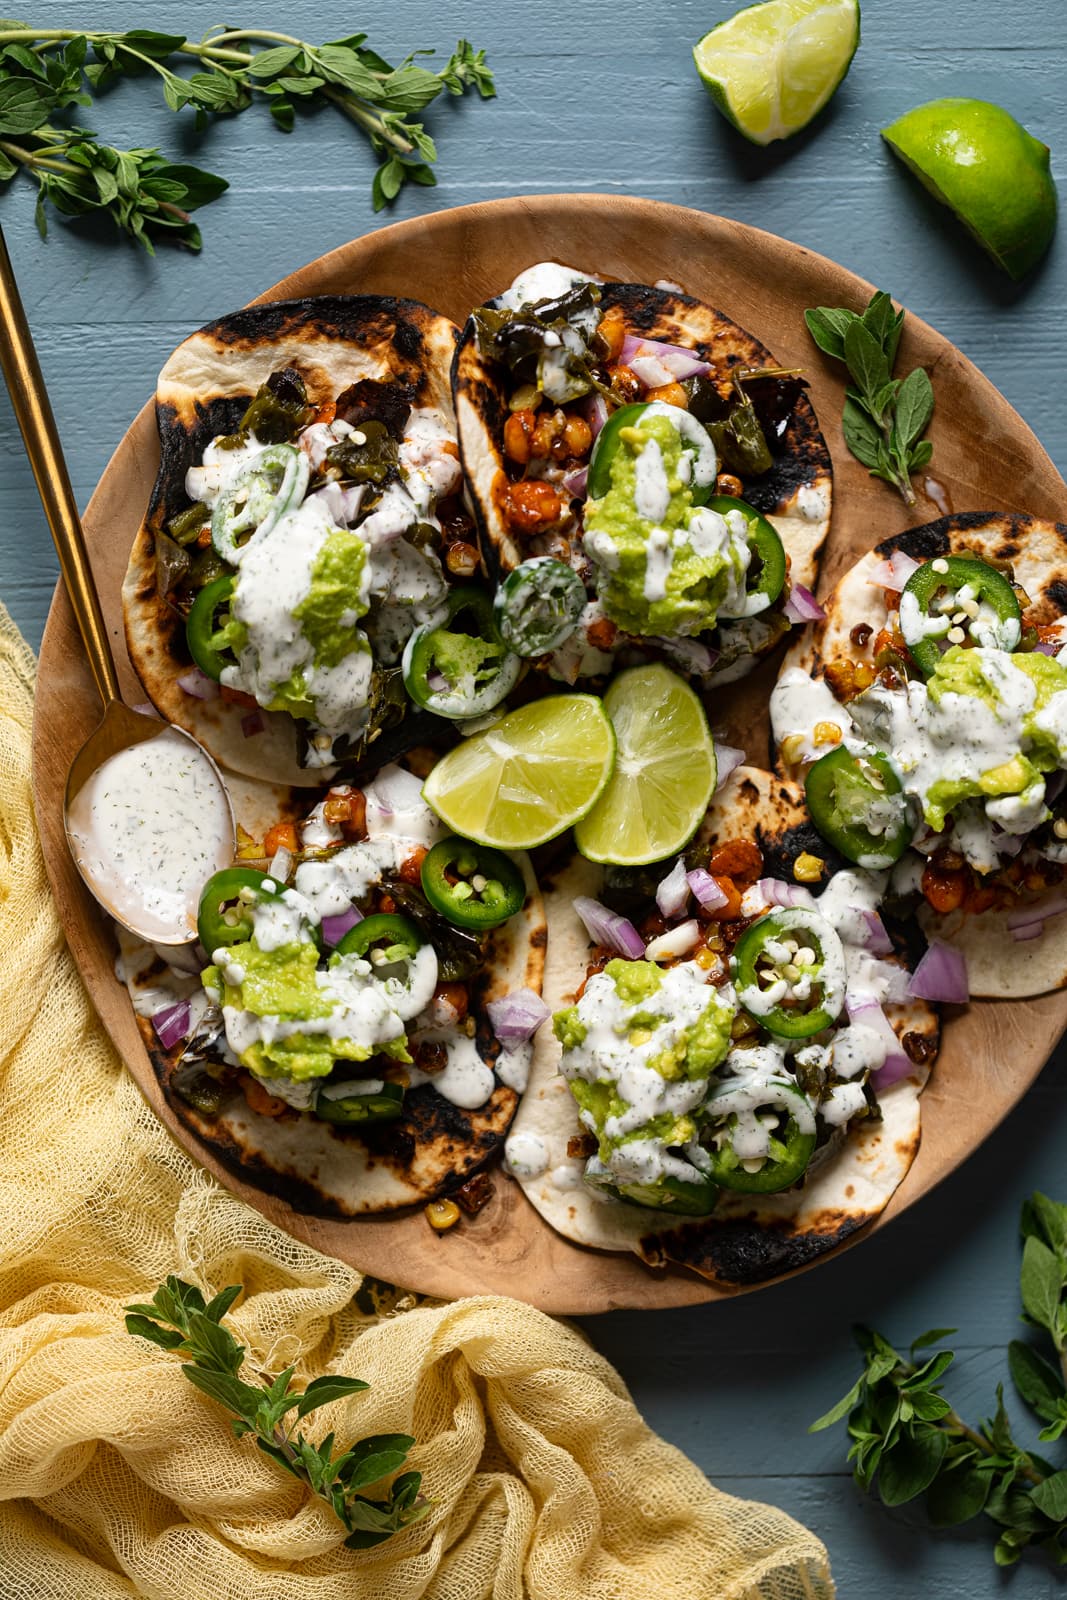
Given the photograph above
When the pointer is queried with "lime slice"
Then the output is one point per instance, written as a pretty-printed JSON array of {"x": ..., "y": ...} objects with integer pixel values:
[
  {"x": 773, "y": 67},
  {"x": 976, "y": 159},
  {"x": 529, "y": 776},
  {"x": 664, "y": 771}
]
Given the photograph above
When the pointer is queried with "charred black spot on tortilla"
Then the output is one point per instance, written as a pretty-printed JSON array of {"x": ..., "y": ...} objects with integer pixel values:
[
  {"x": 782, "y": 847},
  {"x": 800, "y": 457},
  {"x": 1057, "y": 593},
  {"x": 738, "y": 1252},
  {"x": 922, "y": 544}
]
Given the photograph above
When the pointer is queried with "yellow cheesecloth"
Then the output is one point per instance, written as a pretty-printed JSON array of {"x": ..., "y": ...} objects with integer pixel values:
[{"x": 118, "y": 1479}]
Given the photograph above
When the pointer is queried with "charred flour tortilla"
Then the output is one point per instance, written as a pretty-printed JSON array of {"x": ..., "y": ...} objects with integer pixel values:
[
  {"x": 204, "y": 390},
  {"x": 323, "y": 1168},
  {"x": 997, "y": 967},
  {"x": 795, "y": 494},
  {"x": 748, "y": 1238}
]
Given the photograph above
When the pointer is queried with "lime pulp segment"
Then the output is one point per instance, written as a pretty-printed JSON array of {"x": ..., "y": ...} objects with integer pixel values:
[
  {"x": 772, "y": 68},
  {"x": 664, "y": 773},
  {"x": 529, "y": 776}
]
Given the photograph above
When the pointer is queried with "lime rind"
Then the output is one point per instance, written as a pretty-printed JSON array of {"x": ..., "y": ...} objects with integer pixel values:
[
  {"x": 665, "y": 771},
  {"x": 509, "y": 797},
  {"x": 768, "y": 70},
  {"x": 979, "y": 162}
]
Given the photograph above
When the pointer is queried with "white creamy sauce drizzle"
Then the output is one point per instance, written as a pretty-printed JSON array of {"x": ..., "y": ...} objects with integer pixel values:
[
  {"x": 465, "y": 1079},
  {"x": 545, "y": 280},
  {"x": 219, "y": 467},
  {"x": 526, "y": 1155},
  {"x": 149, "y": 828}
]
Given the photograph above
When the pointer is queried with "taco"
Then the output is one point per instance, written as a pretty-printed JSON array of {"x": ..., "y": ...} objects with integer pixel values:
[
  {"x": 646, "y": 441},
  {"x": 331, "y": 1038},
  {"x": 739, "y": 1091},
  {"x": 928, "y": 710},
  {"x": 309, "y": 484}
]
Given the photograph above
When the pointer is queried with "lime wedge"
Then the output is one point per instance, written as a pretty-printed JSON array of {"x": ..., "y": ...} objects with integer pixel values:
[
  {"x": 976, "y": 159},
  {"x": 529, "y": 776},
  {"x": 664, "y": 771},
  {"x": 773, "y": 67}
]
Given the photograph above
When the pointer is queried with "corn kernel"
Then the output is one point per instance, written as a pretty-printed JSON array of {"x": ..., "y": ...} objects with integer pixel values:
[
  {"x": 808, "y": 868},
  {"x": 863, "y": 676},
  {"x": 793, "y": 748},
  {"x": 706, "y": 959},
  {"x": 442, "y": 1214},
  {"x": 827, "y": 733}
]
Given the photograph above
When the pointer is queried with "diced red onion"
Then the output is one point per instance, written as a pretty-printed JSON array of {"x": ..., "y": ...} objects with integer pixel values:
[
  {"x": 172, "y": 1023},
  {"x": 1035, "y": 916},
  {"x": 776, "y": 892},
  {"x": 894, "y": 573},
  {"x": 280, "y": 864},
  {"x": 252, "y": 724},
  {"x": 674, "y": 358},
  {"x": 941, "y": 975},
  {"x": 596, "y": 411},
  {"x": 342, "y": 504},
  {"x": 706, "y": 890},
  {"x": 651, "y": 372},
  {"x": 675, "y": 942},
  {"x": 1049, "y": 647},
  {"x": 877, "y": 941},
  {"x": 727, "y": 759},
  {"x": 672, "y": 892},
  {"x": 335, "y": 928},
  {"x": 607, "y": 927},
  {"x": 1030, "y": 930},
  {"x": 865, "y": 1012},
  {"x": 575, "y": 482},
  {"x": 517, "y": 1017},
  {"x": 198, "y": 684},
  {"x": 802, "y": 605}
]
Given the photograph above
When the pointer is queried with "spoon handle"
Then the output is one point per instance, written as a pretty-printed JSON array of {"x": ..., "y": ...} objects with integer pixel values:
[{"x": 18, "y": 358}]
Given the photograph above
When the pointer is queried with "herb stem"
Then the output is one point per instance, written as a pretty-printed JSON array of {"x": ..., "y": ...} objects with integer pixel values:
[
  {"x": 367, "y": 120},
  {"x": 38, "y": 160}
]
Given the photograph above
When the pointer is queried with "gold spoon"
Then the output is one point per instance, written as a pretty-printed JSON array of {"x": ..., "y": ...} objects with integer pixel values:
[{"x": 120, "y": 729}]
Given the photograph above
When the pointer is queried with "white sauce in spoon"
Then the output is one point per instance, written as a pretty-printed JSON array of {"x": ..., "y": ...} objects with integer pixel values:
[{"x": 147, "y": 831}]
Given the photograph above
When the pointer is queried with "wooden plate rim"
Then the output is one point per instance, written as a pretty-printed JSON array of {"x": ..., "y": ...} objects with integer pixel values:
[{"x": 507, "y": 1249}]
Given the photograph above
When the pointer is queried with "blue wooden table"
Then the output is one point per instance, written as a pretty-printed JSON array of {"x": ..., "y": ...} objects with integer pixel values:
[{"x": 606, "y": 99}]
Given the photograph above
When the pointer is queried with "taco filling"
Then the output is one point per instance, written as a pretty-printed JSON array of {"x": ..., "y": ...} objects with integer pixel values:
[
  {"x": 647, "y": 467},
  {"x": 335, "y": 1031},
  {"x": 945, "y": 750},
  {"x": 312, "y": 558}
]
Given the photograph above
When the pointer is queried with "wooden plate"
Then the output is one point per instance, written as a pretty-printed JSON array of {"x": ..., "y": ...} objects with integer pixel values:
[{"x": 985, "y": 458}]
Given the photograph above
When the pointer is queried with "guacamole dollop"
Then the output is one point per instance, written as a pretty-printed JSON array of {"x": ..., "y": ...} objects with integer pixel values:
[
  {"x": 664, "y": 566},
  {"x": 272, "y": 1000},
  {"x": 1022, "y": 691},
  {"x": 638, "y": 1049}
]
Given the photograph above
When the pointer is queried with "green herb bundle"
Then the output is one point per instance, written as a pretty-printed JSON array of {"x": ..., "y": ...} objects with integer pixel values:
[
  {"x": 45, "y": 71},
  {"x": 908, "y": 1440},
  {"x": 884, "y": 417},
  {"x": 178, "y": 1319}
]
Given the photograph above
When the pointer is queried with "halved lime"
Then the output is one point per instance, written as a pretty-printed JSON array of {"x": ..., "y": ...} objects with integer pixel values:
[
  {"x": 976, "y": 159},
  {"x": 529, "y": 776},
  {"x": 773, "y": 67},
  {"x": 664, "y": 771}
]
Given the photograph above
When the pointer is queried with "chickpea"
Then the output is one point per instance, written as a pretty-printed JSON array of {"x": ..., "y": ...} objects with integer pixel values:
[
  {"x": 601, "y": 633},
  {"x": 577, "y": 437},
  {"x": 532, "y": 506},
  {"x": 612, "y": 332},
  {"x": 727, "y": 484},
  {"x": 549, "y": 428},
  {"x": 462, "y": 559},
  {"x": 671, "y": 394},
  {"x": 518, "y": 432},
  {"x": 625, "y": 383}
]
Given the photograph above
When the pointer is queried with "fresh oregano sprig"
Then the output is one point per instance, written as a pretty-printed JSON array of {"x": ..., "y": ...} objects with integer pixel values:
[
  {"x": 178, "y": 1319},
  {"x": 884, "y": 417},
  {"x": 907, "y": 1440},
  {"x": 43, "y": 71}
]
